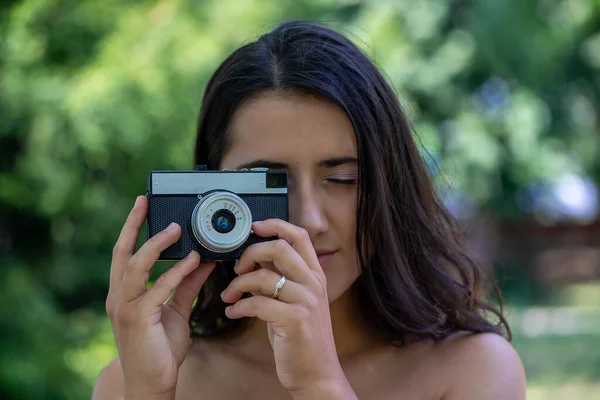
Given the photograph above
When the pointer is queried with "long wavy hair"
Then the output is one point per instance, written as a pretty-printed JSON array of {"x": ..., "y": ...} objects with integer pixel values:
[{"x": 416, "y": 276}]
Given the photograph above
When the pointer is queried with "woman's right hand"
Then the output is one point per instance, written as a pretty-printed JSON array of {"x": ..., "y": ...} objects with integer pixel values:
[{"x": 152, "y": 335}]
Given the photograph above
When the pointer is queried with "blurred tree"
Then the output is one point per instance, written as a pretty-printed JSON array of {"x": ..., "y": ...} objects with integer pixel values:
[{"x": 97, "y": 93}]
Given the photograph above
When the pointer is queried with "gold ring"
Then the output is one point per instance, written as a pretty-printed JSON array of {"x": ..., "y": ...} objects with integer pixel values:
[{"x": 278, "y": 287}]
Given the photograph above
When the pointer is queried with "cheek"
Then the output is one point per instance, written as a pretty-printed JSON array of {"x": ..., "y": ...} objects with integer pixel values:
[
  {"x": 342, "y": 275},
  {"x": 342, "y": 213},
  {"x": 345, "y": 217},
  {"x": 345, "y": 270}
]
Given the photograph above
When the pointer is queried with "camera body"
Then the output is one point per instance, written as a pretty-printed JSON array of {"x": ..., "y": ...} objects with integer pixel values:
[{"x": 215, "y": 209}]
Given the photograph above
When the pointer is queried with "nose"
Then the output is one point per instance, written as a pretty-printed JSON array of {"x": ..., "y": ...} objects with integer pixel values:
[{"x": 306, "y": 209}]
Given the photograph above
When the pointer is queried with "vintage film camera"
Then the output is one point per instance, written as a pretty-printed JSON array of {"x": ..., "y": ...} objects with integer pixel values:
[{"x": 215, "y": 209}]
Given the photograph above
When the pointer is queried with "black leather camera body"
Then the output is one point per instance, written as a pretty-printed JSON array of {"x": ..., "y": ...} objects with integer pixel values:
[{"x": 215, "y": 208}]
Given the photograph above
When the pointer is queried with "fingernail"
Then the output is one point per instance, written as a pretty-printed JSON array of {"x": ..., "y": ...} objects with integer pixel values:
[
  {"x": 137, "y": 201},
  {"x": 171, "y": 227},
  {"x": 191, "y": 254}
]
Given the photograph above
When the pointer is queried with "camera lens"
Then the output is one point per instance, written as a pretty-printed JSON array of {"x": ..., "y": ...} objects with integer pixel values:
[{"x": 223, "y": 221}]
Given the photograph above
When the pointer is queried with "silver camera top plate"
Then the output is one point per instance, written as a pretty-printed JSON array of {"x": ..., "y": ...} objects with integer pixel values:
[{"x": 195, "y": 182}]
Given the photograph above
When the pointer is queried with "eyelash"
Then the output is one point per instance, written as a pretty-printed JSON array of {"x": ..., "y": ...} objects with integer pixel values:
[{"x": 344, "y": 181}]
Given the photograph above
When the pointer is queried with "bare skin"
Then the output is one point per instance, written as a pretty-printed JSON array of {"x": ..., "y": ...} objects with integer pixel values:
[
  {"x": 301, "y": 135},
  {"x": 423, "y": 370}
]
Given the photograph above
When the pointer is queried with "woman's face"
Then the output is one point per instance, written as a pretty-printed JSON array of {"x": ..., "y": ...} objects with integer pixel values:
[{"x": 314, "y": 141}]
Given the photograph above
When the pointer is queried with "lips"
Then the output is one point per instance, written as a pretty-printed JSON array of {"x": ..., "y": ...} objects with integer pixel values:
[{"x": 325, "y": 255}]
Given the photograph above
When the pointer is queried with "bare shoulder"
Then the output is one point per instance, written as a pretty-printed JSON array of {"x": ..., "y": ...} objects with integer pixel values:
[
  {"x": 479, "y": 366},
  {"x": 109, "y": 385}
]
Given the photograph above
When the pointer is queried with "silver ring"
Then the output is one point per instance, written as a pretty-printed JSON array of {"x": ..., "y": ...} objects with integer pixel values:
[{"x": 278, "y": 287}]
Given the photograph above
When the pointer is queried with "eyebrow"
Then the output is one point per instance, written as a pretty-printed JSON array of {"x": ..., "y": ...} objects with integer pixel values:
[{"x": 327, "y": 163}]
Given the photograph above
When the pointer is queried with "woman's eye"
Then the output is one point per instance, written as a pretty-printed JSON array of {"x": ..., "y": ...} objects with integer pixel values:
[{"x": 343, "y": 181}]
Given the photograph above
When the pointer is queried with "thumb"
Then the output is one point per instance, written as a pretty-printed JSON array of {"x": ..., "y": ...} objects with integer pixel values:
[{"x": 187, "y": 291}]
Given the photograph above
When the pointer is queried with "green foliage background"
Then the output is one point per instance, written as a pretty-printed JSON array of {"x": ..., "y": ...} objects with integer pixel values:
[{"x": 95, "y": 93}]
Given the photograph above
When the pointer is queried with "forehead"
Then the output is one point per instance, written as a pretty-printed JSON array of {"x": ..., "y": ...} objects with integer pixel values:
[{"x": 289, "y": 128}]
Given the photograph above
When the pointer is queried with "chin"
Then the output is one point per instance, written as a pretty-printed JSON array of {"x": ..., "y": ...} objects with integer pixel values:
[{"x": 339, "y": 284}]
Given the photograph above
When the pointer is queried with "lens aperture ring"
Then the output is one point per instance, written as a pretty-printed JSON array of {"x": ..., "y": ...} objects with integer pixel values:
[{"x": 221, "y": 222}]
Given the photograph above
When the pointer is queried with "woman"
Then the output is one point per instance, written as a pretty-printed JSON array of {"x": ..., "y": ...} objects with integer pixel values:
[{"x": 379, "y": 299}]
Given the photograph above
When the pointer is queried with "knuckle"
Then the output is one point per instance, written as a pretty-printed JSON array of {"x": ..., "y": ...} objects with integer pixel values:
[
  {"x": 249, "y": 252},
  {"x": 255, "y": 302},
  {"x": 318, "y": 286},
  {"x": 311, "y": 302},
  {"x": 264, "y": 274},
  {"x": 322, "y": 288},
  {"x": 302, "y": 314},
  {"x": 322, "y": 278},
  {"x": 155, "y": 252},
  {"x": 162, "y": 281},
  {"x": 118, "y": 249},
  {"x": 125, "y": 315},
  {"x": 303, "y": 234},
  {"x": 167, "y": 279},
  {"x": 323, "y": 293},
  {"x": 155, "y": 240},
  {"x": 130, "y": 265},
  {"x": 280, "y": 245},
  {"x": 109, "y": 306}
]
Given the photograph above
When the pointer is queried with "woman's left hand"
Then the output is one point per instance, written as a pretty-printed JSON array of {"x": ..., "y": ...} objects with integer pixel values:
[{"x": 299, "y": 322}]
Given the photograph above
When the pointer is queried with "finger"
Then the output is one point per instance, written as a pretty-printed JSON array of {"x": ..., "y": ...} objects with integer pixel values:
[
  {"x": 162, "y": 288},
  {"x": 297, "y": 237},
  {"x": 138, "y": 268},
  {"x": 262, "y": 282},
  {"x": 281, "y": 254},
  {"x": 187, "y": 291},
  {"x": 125, "y": 245},
  {"x": 264, "y": 308}
]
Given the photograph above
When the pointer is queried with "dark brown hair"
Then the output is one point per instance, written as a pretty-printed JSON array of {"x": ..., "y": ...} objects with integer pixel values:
[{"x": 416, "y": 277}]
